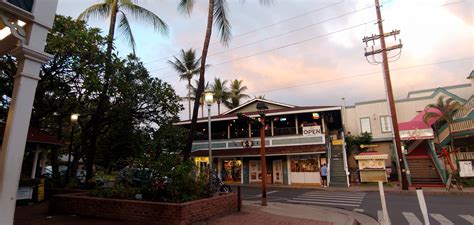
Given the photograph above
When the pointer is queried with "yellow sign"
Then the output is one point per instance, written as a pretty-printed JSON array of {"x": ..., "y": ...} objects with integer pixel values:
[
  {"x": 337, "y": 142},
  {"x": 41, "y": 190}
]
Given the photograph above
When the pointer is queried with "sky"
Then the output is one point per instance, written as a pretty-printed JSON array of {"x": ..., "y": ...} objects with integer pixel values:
[{"x": 310, "y": 52}]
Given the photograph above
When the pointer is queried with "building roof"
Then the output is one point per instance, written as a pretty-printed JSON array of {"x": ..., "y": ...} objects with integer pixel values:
[
  {"x": 471, "y": 75},
  {"x": 258, "y": 100},
  {"x": 39, "y": 136},
  {"x": 284, "y": 111}
]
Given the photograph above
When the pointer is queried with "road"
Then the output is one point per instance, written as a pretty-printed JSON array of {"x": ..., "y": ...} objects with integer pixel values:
[{"x": 403, "y": 208}]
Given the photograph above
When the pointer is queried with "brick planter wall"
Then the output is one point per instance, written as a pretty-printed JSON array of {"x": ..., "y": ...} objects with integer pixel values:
[{"x": 143, "y": 211}]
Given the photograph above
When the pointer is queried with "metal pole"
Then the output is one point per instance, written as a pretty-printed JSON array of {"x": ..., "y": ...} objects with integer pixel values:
[
  {"x": 391, "y": 102},
  {"x": 422, "y": 202},
  {"x": 68, "y": 174},
  {"x": 264, "y": 162},
  {"x": 210, "y": 148},
  {"x": 386, "y": 220}
]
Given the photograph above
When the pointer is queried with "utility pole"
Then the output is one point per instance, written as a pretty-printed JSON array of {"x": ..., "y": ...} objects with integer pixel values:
[{"x": 388, "y": 84}]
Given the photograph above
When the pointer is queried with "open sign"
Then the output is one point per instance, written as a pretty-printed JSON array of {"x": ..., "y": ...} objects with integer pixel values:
[{"x": 312, "y": 131}]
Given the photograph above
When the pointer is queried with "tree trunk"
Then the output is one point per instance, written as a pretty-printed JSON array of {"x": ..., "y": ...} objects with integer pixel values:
[
  {"x": 218, "y": 107},
  {"x": 200, "y": 88},
  {"x": 451, "y": 139},
  {"x": 189, "y": 97},
  {"x": 202, "y": 110}
]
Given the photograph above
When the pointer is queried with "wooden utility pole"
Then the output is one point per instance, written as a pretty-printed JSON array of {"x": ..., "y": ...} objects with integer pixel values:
[{"x": 388, "y": 85}]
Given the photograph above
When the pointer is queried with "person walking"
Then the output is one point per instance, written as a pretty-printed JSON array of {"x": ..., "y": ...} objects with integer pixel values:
[{"x": 324, "y": 175}]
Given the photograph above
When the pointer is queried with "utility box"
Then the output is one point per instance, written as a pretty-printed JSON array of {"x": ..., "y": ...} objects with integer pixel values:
[{"x": 372, "y": 166}]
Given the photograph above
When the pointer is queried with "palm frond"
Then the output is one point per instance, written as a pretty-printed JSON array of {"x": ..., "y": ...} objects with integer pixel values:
[
  {"x": 126, "y": 31},
  {"x": 143, "y": 14},
  {"x": 430, "y": 115},
  {"x": 221, "y": 21},
  {"x": 186, "y": 6},
  {"x": 100, "y": 10}
]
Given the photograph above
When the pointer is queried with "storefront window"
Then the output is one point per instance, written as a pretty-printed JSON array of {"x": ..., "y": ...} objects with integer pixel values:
[
  {"x": 255, "y": 170},
  {"x": 305, "y": 163},
  {"x": 231, "y": 170}
]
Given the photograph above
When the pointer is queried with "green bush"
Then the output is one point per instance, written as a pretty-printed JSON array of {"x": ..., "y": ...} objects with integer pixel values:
[{"x": 166, "y": 179}]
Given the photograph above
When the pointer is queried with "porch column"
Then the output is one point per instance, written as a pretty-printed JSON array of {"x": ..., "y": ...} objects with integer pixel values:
[
  {"x": 250, "y": 130},
  {"x": 228, "y": 130},
  {"x": 30, "y": 56},
  {"x": 288, "y": 166},
  {"x": 296, "y": 124},
  {"x": 43, "y": 161},
  {"x": 35, "y": 162},
  {"x": 271, "y": 126}
]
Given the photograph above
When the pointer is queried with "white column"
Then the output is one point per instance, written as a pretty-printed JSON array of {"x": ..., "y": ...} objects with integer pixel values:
[
  {"x": 271, "y": 125},
  {"x": 43, "y": 161},
  {"x": 30, "y": 55},
  {"x": 219, "y": 168},
  {"x": 35, "y": 162},
  {"x": 288, "y": 165},
  {"x": 296, "y": 124}
]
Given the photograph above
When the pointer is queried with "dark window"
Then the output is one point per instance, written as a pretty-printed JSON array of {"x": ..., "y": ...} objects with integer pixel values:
[{"x": 24, "y": 4}]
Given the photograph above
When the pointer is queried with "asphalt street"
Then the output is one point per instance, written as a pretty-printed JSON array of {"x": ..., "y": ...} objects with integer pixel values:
[{"x": 403, "y": 208}]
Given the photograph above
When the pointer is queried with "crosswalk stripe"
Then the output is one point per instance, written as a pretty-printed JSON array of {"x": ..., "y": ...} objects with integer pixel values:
[
  {"x": 334, "y": 196},
  {"x": 441, "y": 219},
  {"x": 323, "y": 203},
  {"x": 411, "y": 218},
  {"x": 469, "y": 218},
  {"x": 270, "y": 192},
  {"x": 327, "y": 200},
  {"x": 330, "y": 197}
]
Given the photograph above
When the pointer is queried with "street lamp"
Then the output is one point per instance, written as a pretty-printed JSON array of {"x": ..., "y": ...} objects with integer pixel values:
[
  {"x": 262, "y": 108},
  {"x": 209, "y": 99},
  {"x": 74, "y": 119}
]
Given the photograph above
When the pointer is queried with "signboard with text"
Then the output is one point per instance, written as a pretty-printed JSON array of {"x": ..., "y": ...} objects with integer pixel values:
[
  {"x": 466, "y": 169},
  {"x": 312, "y": 131}
]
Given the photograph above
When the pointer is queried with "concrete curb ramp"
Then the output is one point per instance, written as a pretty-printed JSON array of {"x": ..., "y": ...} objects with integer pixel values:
[{"x": 333, "y": 215}]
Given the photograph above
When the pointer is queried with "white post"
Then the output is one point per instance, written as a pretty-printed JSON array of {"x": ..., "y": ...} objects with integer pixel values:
[
  {"x": 35, "y": 163},
  {"x": 423, "y": 208},
  {"x": 30, "y": 55},
  {"x": 386, "y": 219}
]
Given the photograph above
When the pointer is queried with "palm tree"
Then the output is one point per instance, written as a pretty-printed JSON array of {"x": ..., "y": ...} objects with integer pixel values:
[
  {"x": 236, "y": 93},
  {"x": 193, "y": 90},
  {"x": 216, "y": 15},
  {"x": 445, "y": 112},
  {"x": 221, "y": 92},
  {"x": 187, "y": 66},
  {"x": 114, "y": 8}
]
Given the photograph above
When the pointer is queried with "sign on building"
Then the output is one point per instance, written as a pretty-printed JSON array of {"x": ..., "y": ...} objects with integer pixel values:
[
  {"x": 312, "y": 131},
  {"x": 466, "y": 169}
]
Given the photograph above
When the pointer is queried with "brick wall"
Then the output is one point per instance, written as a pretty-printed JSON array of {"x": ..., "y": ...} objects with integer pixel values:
[{"x": 142, "y": 211}]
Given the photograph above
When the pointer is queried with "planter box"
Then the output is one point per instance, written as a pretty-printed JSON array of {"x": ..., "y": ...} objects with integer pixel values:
[{"x": 144, "y": 211}]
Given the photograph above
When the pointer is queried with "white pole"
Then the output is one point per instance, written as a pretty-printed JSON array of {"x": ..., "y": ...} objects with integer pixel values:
[
  {"x": 423, "y": 208},
  {"x": 386, "y": 219},
  {"x": 211, "y": 174},
  {"x": 35, "y": 163}
]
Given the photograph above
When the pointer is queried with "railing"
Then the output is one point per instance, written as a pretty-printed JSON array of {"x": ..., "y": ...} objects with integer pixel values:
[
  {"x": 439, "y": 166},
  {"x": 466, "y": 110},
  {"x": 344, "y": 155},
  {"x": 465, "y": 155},
  {"x": 456, "y": 126}
]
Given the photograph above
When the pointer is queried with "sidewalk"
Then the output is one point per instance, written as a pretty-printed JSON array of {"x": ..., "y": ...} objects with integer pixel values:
[
  {"x": 428, "y": 190},
  {"x": 289, "y": 214}
]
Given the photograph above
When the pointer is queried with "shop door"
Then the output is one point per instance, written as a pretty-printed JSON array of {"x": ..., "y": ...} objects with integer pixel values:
[
  {"x": 277, "y": 172},
  {"x": 255, "y": 171}
]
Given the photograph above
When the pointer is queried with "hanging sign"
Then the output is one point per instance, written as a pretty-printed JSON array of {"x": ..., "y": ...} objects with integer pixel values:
[
  {"x": 315, "y": 116},
  {"x": 312, "y": 131}
]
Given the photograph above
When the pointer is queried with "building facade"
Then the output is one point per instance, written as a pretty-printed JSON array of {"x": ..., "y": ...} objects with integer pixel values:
[{"x": 296, "y": 140}]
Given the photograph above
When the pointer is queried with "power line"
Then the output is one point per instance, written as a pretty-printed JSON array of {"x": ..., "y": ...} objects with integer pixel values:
[
  {"x": 275, "y": 36},
  {"x": 361, "y": 75},
  {"x": 259, "y": 29}
]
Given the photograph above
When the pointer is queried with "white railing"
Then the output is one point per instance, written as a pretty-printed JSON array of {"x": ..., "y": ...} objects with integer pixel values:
[
  {"x": 465, "y": 155},
  {"x": 344, "y": 154},
  {"x": 467, "y": 108},
  {"x": 458, "y": 126}
]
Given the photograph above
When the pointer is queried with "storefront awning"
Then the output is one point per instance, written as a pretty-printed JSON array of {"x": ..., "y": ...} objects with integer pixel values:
[
  {"x": 280, "y": 150},
  {"x": 417, "y": 128}
]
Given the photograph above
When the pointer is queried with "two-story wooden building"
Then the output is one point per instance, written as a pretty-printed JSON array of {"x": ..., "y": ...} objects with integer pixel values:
[{"x": 294, "y": 155}]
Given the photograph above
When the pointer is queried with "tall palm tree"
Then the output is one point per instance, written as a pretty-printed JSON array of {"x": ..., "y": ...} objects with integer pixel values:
[
  {"x": 193, "y": 91},
  {"x": 221, "y": 92},
  {"x": 236, "y": 93},
  {"x": 217, "y": 16},
  {"x": 446, "y": 110},
  {"x": 112, "y": 9},
  {"x": 187, "y": 66}
]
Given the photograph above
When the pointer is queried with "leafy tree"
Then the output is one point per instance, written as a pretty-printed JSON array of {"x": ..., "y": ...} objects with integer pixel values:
[
  {"x": 236, "y": 93},
  {"x": 445, "y": 112},
  {"x": 221, "y": 92},
  {"x": 187, "y": 66},
  {"x": 354, "y": 142}
]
